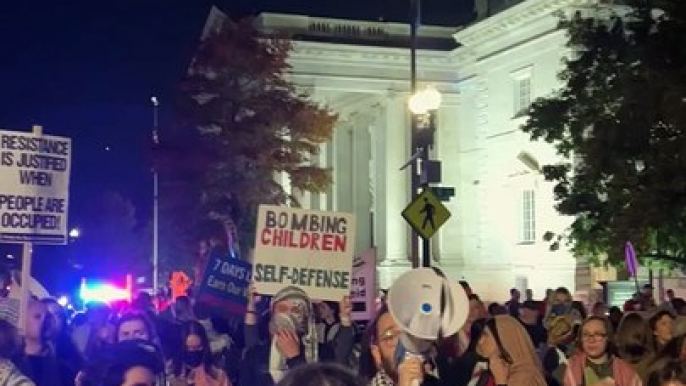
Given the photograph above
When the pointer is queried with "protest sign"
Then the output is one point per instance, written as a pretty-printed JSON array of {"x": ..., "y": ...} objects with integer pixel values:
[
  {"x": 34, "y": 187},
  {"x": 225, "y": 284},
  {"x": 308, "y": 249},
  {"x": 363, "y": 293}
]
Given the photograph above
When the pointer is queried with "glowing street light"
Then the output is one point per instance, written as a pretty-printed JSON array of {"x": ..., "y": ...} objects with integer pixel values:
[
  {"x": 75, "y": 233},
  {"x": 425, "y": 101}
]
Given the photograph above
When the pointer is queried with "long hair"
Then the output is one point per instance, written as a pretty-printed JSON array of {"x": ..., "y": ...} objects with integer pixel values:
[
  {"x": 10, "y": 343},
  {"x": 110, "y": 368},
  {"x": 672, "y": 371},
  {"x": 671, "y": 351},
  {"x": 611, "y": 348},
  {"x": 65, "y": 348},
  {"x": 515, "y": 348},
  {"x": 178, "y": 359},
  {"x": 367, "y": 367},
  {"x": 633, "y": 338},
  {"x": 653, "y": 323},
  {"x": 475, "y": 332}
]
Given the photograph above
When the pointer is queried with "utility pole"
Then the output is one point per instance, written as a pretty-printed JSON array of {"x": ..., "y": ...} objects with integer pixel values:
[
  {"x": 414, "y": 169},
  {"x": 421, "y": 162},
  {"x": 155, "y": 198}
]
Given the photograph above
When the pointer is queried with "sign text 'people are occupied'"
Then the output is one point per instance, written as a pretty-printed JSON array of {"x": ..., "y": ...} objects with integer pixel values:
[{"x": 34, "y": 187}]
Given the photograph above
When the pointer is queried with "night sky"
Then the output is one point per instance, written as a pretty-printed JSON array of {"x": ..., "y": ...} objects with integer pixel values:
[{"x": 87, "y": 69}]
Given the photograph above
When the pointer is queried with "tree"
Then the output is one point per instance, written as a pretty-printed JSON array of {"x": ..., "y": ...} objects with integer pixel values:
[
  {"x": 243, "y": 125},
  {"x": 113, "y": 241},
  {"x": 620, "y": 123}
]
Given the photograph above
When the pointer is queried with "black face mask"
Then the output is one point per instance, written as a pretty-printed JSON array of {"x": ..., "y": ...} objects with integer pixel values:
[{"x": 194, "y": 358}]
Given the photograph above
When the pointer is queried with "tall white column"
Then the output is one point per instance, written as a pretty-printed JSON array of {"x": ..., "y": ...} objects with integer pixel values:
[
  {"x": 391, "y": 151},
  {"x": 344, "y": 179},
  {"x": 447, "y": 243},
  {"x": 361, "y": 155}
]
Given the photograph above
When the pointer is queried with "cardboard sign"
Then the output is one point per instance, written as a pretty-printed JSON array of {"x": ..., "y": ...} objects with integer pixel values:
[
  {"x": 308, "y": 249},
  {"x": 34, "y": 187},
  {"x": 363, "y": 294},
  {"x": 225, "y": 284}
]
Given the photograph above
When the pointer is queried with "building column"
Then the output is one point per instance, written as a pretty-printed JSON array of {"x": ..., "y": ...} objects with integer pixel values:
[
  {"x": 391, "y": 148},
  {"x": 341, "y": 157},
  {"x": 446, "y": 246},
  {"x": 361, "y": 195}
]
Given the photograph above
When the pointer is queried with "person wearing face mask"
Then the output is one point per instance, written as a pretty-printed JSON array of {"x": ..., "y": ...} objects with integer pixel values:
[
  {"x": 562, "y": 307},
  {"x": 192, "y": 362},
  {"x": 292, "y": 339}
]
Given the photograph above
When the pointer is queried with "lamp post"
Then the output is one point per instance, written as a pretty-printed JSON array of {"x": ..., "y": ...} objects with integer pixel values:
[
  {"x": 155, "y": 198},
  {"x": 415, "y": 21},
  {"x": 423, "y": 104}
]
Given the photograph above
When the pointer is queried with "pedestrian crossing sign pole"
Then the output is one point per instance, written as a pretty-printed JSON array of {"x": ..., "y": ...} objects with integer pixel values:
[{"x": 426, "y": 214}]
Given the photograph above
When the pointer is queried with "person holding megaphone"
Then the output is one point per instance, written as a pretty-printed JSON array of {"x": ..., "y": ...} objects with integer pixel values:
[{"x": 380, "y": 363}]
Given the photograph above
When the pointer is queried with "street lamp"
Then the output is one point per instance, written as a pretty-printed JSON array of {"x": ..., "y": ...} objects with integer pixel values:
[
  {"x": 75, "y": 233},
  {"x": 423, "y": 104},
  {"x": 425, "y": 101}
]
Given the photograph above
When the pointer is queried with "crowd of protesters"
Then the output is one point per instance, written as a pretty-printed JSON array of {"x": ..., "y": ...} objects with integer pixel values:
[{"x": 289, "y": 339}]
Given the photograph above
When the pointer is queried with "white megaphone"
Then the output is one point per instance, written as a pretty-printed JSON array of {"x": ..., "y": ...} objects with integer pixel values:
[{"x": 427, "y": 307}]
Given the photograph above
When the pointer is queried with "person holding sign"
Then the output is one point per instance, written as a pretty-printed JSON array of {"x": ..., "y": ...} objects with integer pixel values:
[{"x": 292, "y": 338}]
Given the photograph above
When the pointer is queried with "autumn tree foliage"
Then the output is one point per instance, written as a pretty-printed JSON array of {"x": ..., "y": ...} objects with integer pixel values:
[
  {"x": 244, "y": 128},
  {"x": 620, "y": 122}
]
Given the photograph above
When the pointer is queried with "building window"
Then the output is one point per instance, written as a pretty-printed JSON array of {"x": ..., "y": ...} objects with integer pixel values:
[
  {"x": 522, "y": 95},
  {"x": 529, "y": 217}
]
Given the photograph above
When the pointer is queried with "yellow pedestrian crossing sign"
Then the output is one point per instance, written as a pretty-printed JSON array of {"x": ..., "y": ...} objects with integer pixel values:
[{"x": 426, "y": 214}]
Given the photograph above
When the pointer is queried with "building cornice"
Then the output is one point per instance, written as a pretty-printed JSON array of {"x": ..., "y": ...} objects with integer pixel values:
[
  {"x": 509, "y": 20},
  {"x": 326, "y": 53},
  {"x": 365, "y": 84}
]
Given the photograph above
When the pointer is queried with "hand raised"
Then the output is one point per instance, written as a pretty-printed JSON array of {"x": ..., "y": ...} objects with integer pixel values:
[{"x": 288, "y": 343}]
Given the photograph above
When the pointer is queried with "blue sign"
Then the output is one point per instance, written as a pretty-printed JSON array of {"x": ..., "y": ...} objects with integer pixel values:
[{"x": 225, "y": 284}]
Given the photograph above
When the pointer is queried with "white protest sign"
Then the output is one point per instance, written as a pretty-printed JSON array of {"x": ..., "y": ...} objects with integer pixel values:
[
  {"x": 363, "y": 294},
  {"x": 308, "y": 249},
  {"x": 34, "y": 187}
]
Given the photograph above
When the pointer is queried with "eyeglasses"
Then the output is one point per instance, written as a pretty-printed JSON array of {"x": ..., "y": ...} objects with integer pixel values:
[
  {"x": 594, "y": 336},
  {"x": 389, "y": 337}
]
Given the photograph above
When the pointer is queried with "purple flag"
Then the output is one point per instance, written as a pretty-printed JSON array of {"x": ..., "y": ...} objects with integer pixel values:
[{"x": 630, "y": 256}]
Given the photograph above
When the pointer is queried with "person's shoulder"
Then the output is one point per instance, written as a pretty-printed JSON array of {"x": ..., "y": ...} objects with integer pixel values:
[
  {"x": 257, "y": 351},
  {"x": 430, "y": 380},
  {"x": 220, "y": 373},
  {"x": 16, "y": 378}
]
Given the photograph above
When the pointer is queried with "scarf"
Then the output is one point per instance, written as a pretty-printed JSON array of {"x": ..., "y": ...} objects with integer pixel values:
[
  {"x": 381, "y": 379},
  {"x": 308, "y": 341}
]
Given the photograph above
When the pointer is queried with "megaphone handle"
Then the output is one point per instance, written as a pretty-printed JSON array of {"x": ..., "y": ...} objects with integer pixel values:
[{"x": 415, "y": 382}]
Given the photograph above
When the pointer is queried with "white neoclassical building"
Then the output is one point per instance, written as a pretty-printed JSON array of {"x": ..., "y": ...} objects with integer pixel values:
[{"x": 488, "y": 72}]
